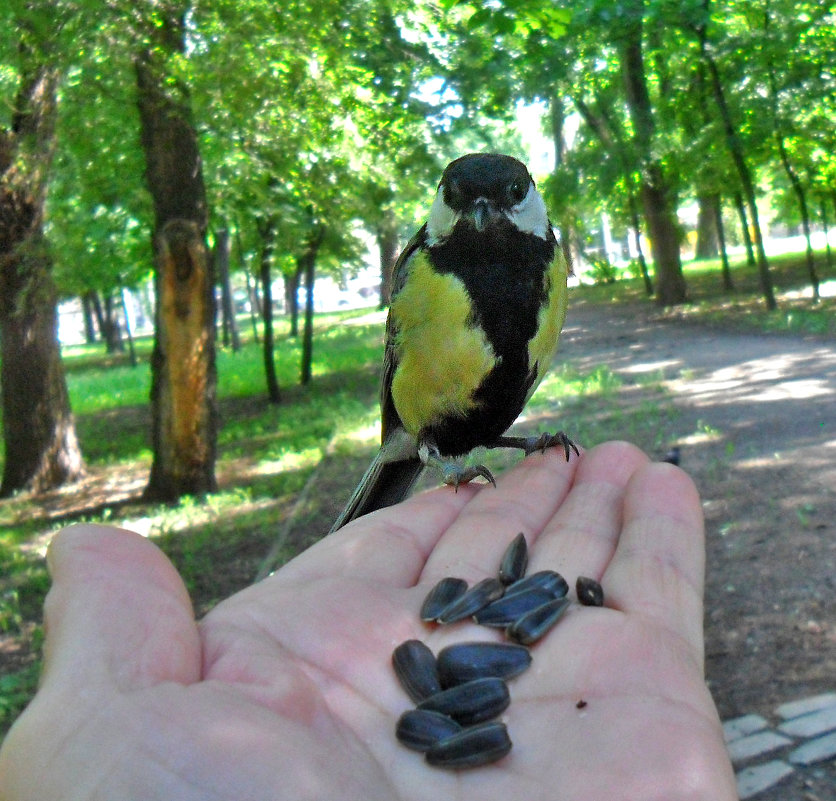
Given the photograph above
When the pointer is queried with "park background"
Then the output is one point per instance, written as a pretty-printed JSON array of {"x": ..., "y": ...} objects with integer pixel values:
[{"x": 264, "y": 164}]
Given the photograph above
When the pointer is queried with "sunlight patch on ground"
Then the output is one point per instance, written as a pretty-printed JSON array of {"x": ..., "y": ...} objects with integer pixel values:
[
  {"x": 362, "y": 434},
  {"x": 827, "y": 289},
  {"x": 288, "y": 461},
  {"x": 758, "y": 380},
  {"x": 372, "y": 318},
  {"x": 701, "y": 438},
  {"x": 650, "y": 367}
]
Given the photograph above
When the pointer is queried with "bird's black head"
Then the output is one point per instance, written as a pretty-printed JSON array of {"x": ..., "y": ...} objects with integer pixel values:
[
  {"x": 500, "y": 179},
  {"x": 484, "y": 190}
]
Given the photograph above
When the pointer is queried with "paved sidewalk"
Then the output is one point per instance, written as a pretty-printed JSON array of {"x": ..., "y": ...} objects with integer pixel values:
[{"x": 800, "y": 738}]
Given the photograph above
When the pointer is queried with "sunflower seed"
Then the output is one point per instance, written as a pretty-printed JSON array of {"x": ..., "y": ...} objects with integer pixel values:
[
  {"x": 504, "y": 611},
  {"x": 470, "y": 748},
  {"x": 442, "y": 595},
  {"x": 421, "y": 729},
  {"x": 514, "y": 560},
  {"x": 471, "y": 702},
  {"x": 590, "y": 592},
  {"x": 467, "y": 661},
  {"x": 533, "y": 625},
  {"x": 415, "y": 667},
  {"x": 547, "y": 580},
  {"x": 479, "y": 595}
]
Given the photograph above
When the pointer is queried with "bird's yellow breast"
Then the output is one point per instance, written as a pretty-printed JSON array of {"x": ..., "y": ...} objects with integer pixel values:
[{"x": 442, "y": 355}]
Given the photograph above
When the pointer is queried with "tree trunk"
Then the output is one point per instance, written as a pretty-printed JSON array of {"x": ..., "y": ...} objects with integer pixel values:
[
  {"x": 804, "y": 211},
  {"x": 291, "y": 296},
  {"x": 636, "y": 222},
  {"x": 728, "y": 284},
  {"x": 707, "y": 245},
  {"x": 828, "y": 256},
  {"x": 747, "y": 184},
  {"x": 184, "y": 380},
  {"x": 128, "y": 328},
  {"x": 565, "y": 227},
  {"x": 41, "y": 449},
  {"x": 111, "y": 328},
  {"x": 230, "y": 325},
  {"x": 89, "y": 319},
  {"x": 655, "y": 191},
  {"x": 795, "y": 181},
  {"x": 307, "y": 264},
  {"x": 252, "y": 289},
  {"x": 744, "y": 227},
  {"x": 612, "y": 139},
  {"x": 268, "y": 235}
]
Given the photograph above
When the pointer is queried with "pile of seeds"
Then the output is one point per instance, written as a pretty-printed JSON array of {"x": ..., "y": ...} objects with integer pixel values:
[{"x": 459, "y": 692}]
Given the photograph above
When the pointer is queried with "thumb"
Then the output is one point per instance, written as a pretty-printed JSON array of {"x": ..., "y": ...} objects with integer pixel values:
[{"x": 117, "y": 613}]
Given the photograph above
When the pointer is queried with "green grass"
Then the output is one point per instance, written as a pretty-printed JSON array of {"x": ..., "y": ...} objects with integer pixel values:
[{"x": 743, "y": 308}]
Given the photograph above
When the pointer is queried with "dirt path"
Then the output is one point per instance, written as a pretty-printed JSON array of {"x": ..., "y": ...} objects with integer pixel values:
[{"x": 757, "y": 431}]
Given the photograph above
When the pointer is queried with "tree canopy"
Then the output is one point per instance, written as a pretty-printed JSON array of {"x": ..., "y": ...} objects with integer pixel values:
[{"x": 349, "y": 110}]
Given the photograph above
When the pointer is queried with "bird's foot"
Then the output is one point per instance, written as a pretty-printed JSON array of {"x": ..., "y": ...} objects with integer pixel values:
[
  {"x": 452, "y": 473},
  {"x": 538, "y": 443}
]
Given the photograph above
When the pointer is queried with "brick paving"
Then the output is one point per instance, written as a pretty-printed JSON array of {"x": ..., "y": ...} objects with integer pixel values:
[{"x": 798, "y": 736}]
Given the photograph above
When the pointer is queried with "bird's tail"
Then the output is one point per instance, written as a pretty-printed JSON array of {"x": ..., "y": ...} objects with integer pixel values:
[{"x": 385, "y": 483}]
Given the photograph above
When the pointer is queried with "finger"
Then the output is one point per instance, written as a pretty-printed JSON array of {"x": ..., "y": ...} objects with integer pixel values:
[
  {"x": 582, "y": 535},
  {"x": 524, "y": 500},
  {"x": 117, "y": 612},
  {"x": 658, "y": 567},
  {"x": 390, "y": 545},
  {"x": 465, "y": 529}
]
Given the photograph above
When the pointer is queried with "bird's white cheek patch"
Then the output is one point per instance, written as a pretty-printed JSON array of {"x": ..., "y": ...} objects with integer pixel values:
[
  {"x": 442, "y": 359},
  {"x": 530, "y": 215},
  {"x": 441, "y": 221}
]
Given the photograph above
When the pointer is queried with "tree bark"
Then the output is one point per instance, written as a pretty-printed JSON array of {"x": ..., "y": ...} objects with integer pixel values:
[
  {"x": 728, "y": 284},
  {"x": 740, "y": 206},
  {"x": 230, "y": 324},
  {"x": 291, "y": 296},
  {"x": 110, "y": 326},
  {"x": 89, "y": 318},
  {"x": 739, "y": 159},
  {"x": 707, "y": 246},
  {"x": 307, "y": 264},
  {"x": 41, "y": 449},
  {"x": 129, "y": 334},
  {"x": 828, "y": 256},
  {"x": 612, "y": 139},
  {"x": 655, "y": 191},
  {"x": 801, "y": 196},
  {"x": 268, "y": 235},
  {"x": 184, "y": 380}
]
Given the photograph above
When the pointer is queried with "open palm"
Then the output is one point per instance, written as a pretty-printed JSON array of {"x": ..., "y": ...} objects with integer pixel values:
[{"x": 286, "y": 690}]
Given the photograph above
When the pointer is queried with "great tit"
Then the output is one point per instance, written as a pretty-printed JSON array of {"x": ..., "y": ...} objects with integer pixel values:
[{"x": 478, "y": 301}]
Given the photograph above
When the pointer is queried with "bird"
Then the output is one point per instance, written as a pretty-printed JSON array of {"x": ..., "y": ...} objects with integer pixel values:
[{"x": 479, "y": 298}]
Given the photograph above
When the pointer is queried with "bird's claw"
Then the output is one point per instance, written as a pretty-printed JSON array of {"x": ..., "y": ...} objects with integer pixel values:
[
  {"x": 453, "y": 475},
  {"x": 546, "y": 440},
  {"x": 538, "y": 443}
]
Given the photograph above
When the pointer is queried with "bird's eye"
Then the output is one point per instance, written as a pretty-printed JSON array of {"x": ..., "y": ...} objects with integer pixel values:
[{"x": 517, "y": 191}]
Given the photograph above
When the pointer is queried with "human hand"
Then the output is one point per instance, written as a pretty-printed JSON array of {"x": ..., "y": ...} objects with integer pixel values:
[{"x": 286, "y": 690}]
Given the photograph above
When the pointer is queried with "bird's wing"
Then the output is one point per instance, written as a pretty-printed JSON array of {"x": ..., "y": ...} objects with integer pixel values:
[{"x": 389, "y": 418}]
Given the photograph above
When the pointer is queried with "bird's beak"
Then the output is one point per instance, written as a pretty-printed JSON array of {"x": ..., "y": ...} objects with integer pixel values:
[{"x": 484, "y": 213}]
